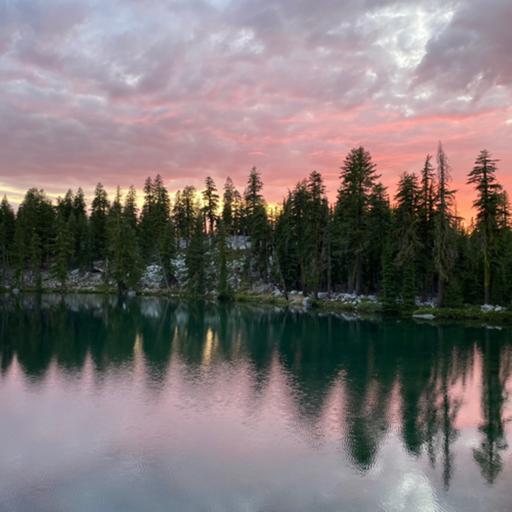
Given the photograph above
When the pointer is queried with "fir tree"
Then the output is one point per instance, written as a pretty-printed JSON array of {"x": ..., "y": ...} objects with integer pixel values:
[
  {"x": 487, "y": 204},
  {"x": 228, "y": 206},
  {"x": 184, "y": 214},
  {"x": 358, "y": 179},
  {"x": 211, "y": 203},
  {"x": 426, "y": 227},
  {"x": 256, "y": 220},
  {"x": 7, "y": 229},
  {"x": 124, "y": 261},
  {"x": 444, "y": 247},
  {"x": 99, "y": 213},
  {"x": 82, "y": 251}
]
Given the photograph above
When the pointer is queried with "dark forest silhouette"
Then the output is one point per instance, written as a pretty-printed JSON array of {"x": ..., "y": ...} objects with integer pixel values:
[{"x": 366, "y": 242}]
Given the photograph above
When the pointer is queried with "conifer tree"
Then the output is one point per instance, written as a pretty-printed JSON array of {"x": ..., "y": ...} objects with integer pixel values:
[
  {"x": 130, "y": 209},
  {"x": 426, "y": 227},
  {"x": 82, "y": 251},
  {"x": 379, "y": 230},
  {"x": 228, "y": 206},
  {"x": 317, "y": 221},
  {"x": 99, "y": 213},
  {"x": 184, "y": 214},
  {"x": 487, "y": 205},
  {"x": 444, "y": 246},
  {"x": 406, "y": 214},
  {"x": 124, "y": 261},
  {"x": 7, "y": 229},
  {"x": 257, "y": 227},
  {"x": 157, "y": 231},
  {"x": 211, "y": 203},
  {"x": 358, "y": 179}
]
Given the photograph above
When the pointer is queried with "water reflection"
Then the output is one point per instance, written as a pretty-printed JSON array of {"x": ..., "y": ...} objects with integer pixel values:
[{"x": 350, "y": 384}]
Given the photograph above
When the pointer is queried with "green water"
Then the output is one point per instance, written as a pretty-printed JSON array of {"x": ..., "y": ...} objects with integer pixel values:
[{"x": 150, "y": 405}]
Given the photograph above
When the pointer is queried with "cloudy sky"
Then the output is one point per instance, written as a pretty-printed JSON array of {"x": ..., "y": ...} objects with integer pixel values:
[{"x": 114, "y": 90}]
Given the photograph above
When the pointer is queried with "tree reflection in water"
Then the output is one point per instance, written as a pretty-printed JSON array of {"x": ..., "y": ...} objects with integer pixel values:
[{"x": 390, "y": 375}]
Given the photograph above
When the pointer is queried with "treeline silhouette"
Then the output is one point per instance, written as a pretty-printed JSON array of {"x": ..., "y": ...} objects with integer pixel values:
[
  {"x": 419, "y": 371},
  {"x": 410, "y": 245}
]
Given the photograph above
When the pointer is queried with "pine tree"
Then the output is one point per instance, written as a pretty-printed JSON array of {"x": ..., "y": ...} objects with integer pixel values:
[
  {"x": 7, "y": 229},
  {"x": 257, "y": 227},
  {"x": 487, "y": 204},
  {"x": 426, "y": 228},
  {"x": 379, "y": 230},
  {"x": 99, "y": 213},
  {"x": 358, "y": 179},
  {"x": 444, "y": 247},
  {"x": 36, "y": 214},
  {"x": 228, "y": 206},
  {"x": 406, "y": 215},
  {"x": 82, "y": 251},
  {"x": 157, "y": 230},
  {"x": 124, "y": 260},
  {"x": 184, "y": 214},
  {"x": 211, "y": 203},
  {"x": 130, "y": 209},
  {"x": 317, "y": 221}
]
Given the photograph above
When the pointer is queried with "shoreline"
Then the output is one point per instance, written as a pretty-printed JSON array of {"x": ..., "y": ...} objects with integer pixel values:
[{"x": 468, "y": 314}]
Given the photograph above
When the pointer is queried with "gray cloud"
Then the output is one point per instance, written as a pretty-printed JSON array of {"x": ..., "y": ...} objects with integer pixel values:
[{"x": 114, "y": 90}]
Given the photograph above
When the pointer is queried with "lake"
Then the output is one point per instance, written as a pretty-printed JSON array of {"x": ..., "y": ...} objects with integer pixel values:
[{"x": 154, "y": 405}]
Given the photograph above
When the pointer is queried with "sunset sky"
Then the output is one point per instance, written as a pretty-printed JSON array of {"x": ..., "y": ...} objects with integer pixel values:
[{"x": 114, "y": 91}]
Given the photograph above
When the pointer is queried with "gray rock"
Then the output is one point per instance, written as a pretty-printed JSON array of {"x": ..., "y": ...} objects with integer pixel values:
[{"x": 424, "y": 316}]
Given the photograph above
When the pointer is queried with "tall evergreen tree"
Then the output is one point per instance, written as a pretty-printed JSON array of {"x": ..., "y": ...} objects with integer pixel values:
[
  {"x": 358, "y": 180},
  {"x": 7, "y": 229},
  {"x": 487, "y": 205},
  {"x": 317, "y": 222},
  {"x": 211, "y": 203},
  {"x": 184, "y": 214},
  {"x": 99, "y": 213},
  {"x": 130, "y": 208},
  {"x": 426, "y": 228},
  {"x": 35, "y": 232},
  {"x": 444, "y": 246},
  {"x": 124, "y": 263},
  {"x": 82, "y": 251},
  {"x": 406, "y": 213},
  {"x": 228, "y": 206},
  {"x": 256, "y": 220},
  {"x": 379, "y": 230}
]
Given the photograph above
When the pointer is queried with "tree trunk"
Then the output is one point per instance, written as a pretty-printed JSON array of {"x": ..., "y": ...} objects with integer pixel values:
[{"x": 440, "y": 292}]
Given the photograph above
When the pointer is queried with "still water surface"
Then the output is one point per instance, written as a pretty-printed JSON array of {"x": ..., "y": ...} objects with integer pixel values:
[{"x": 149, "y": 405}]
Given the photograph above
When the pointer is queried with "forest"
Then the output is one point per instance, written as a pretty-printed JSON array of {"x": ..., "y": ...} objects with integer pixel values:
[{"x": 408, "y": 247}]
